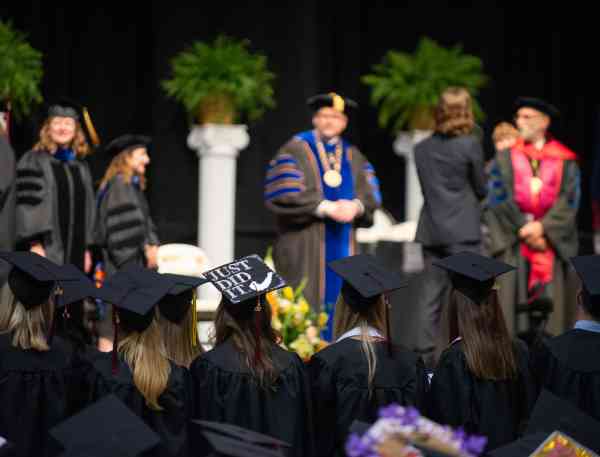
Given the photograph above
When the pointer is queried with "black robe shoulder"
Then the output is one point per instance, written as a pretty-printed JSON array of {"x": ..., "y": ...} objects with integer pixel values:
[
  {"x": 495, "y": 409},
  {"x": 225, "y": 391},
  {"x": 569, "y": 366},
  {"x": 340, "y": 389}
]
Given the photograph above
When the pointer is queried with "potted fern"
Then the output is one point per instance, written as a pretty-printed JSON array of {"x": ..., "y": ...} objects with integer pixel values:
[
  {"x": 406, "y": 87},
  {"x": 220, "y": 82},
  {"x": 20, "y": 72}
]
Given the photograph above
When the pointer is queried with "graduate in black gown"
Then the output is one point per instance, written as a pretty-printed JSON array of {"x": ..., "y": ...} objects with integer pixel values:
[
  {"x": 248, "y": 379},
  {"x": 38, "y": 380},
  {"x": 361, "y": 372},
  {"x": 482, "y": 381},
  {"x": 137, "y": 371},
  {"x": 568, "y": 365}
]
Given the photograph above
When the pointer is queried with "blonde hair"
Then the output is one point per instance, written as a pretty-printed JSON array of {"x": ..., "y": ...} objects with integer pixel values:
[
  {"x": 179, "y": 339},
  {"x": 79, "y": 143},
  {"x": 374, "y": 316},
  {"x": 145, "y": 355},
  {"x": 454, "y": 112},
  {"x": 120, "y": 166},
  {"x": 504, "y": 131},
  {"x": 28, "y": 327}
]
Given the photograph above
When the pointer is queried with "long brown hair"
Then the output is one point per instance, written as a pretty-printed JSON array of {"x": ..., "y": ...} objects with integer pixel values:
[
  {"x": 179, "y": 338},
  {"x": 79, "y": 144},
  {"x": 146, "y": 357},
  {"x": 454, "y": 112},
  {"x": 28, "y": 327},
  {"x": 373, "y": 316},
  {"x": 120, "y": 166},
  {"x": 238, "y": 322},
  {"x": 488, "y": 348}
]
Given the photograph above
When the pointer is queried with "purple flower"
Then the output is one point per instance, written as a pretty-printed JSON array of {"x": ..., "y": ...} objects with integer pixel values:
[
  {"x": 474, "y": 444},
  {"x": 389, "y": 412},
  {"x": 355, "y": 446},
  {"x": 459, "y": 435},
  {"x": 411, "y": 416}
]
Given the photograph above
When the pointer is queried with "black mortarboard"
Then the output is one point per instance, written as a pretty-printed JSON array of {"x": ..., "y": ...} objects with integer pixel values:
[
  {"x": 106, "y": 428},
  {"x": 175, "y": 305},
  {"x": 537, "y": 104},
  {"x": 588, "y": 269},
  {"x": 7, "y": 449},
  {"x": 539, "y": 444},
  {"x": 244, "y": 278},
  {"x": 67, "y": 107},
  {"x": 552, "y": 413},
  {"x": 243, "y": 434},
  {"x": 220, "y": 445},
  {"x": 78, "y": 288},
  {"x": 34, "y": 278},
  {"x": 127, "y": 141},
  {"x": 364, "y": 280},
  {"x": 332, "y": 100},
  {"x": 473, "y": 274}
]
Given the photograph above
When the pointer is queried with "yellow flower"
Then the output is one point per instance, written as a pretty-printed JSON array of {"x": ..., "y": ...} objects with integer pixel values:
[
  {"x": 323, "y": 319},
  {"x": 276, "y": 323},
  {"x": 288, "y": 293},
  {"x": 298, "y": 319},
  {"x": 303, "y": 306},
  {"x": 312, "y": 334},
  {"x": 302, "y": 347}
]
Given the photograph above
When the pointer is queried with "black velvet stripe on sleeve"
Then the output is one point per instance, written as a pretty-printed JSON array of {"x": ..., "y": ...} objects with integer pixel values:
[
  {"x": 132, "y": 241},
  {"x": 29, "y": 173},
  {"x": 121, "y": 209},
  {"x": 121, "y": 226},
  {"x": 28, "y": 200},
  {"x": 28, "y": 186}
]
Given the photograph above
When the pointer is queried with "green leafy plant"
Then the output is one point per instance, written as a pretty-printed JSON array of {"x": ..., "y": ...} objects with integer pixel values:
[
  {"x": 220, "y": 81},
  {"x": 406, "y": 87},
  {"x": 20, "y": 71}
]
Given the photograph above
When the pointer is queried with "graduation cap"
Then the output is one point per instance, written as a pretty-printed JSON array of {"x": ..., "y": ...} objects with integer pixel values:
[
  {"x": 552, "y": 413},
  {"x": 243, "y": 434},
  {"x": 537, "y": 104},
  {"x": 175, "y": 305},
  {"x": 7, "y": 449},
  {"x": 244, "y": 279},
  {"x": 127, "y": 141},
  {"x": 220, "y": 445},
  {"x": 67, "y": 107},
  {"x": 34, "y": 278},
  {"x": 332, "y": 100},
  {"x": 78, "y": 287},
  {"x": 540, "y": 445},
  {"x": 472, "y": 274},
  {"x": 106, "y": 428},
  {"x": 588, "y": 269}
]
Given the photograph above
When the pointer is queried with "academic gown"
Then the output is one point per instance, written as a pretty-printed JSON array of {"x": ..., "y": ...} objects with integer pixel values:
[
  {"x": 7, "y": 203},
  {"x": 171, "y": 424},
  {"x": 496, "y": 409},
  {"x": 124, "y": 225},
  {"x": 568, "y": 366},
  {"x": 339, "y": 380},
  {"x": 37, "y": 392},
  {"x": 224, "y": 391}
]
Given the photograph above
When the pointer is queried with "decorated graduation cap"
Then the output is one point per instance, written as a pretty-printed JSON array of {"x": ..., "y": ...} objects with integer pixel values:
[
  {"x": 227, "y": 446},
  {"x": 473, "y": 275},
  {"x": 331, "y": 100},
  {"x": 122, "y": 433},
  {"x": 124, "y": 142},
  {"x": 537, "y": 104},
  {"x": 542, "y": 445},
  {"x": 364, "y": 281},
  {"x": 588, "y": 269},
  {"x": 67, "y": 107},
  {"x": 33, "y": 278},
  {"x": 243, "y": 434}
]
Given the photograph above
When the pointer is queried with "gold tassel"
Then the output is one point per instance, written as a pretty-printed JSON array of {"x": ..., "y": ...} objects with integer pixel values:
[
  {"x": 194, "y": 320},
  {"x": 90, "y": 127},
  {"x": 338, "y": 102}
]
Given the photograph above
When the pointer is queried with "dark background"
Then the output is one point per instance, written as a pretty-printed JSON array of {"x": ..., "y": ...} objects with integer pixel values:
[{"x": 112, "y": 60}]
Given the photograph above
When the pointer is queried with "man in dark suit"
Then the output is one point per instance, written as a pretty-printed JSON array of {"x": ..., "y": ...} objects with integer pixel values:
[{"x": 450, "y": 166}]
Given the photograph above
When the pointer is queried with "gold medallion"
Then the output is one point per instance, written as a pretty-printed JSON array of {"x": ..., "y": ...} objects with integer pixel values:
[
  {"x": 332, "y": 178},
  {"x": 536, "y": 185}
]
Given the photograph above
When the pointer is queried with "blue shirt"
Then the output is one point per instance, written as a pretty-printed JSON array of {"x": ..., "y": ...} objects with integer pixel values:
[{"x": 590, "y": 326}]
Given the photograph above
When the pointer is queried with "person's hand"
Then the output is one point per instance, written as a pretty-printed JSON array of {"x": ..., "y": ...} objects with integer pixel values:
[
  {"x": 537, "y": 244},
  {"x": 151, "y": 256},
  {"x": 38, "y": 248},
  {"x": 531, "y": 230},
  {"x": 344, "y": 211},
  {"x": 87, "y": 261}
]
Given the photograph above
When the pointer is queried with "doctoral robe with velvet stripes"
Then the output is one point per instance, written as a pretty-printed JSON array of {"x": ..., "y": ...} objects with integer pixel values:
[
  {"x": 294, "y": 188},
  {"x": 124, "y": 224},
  {"x": 55, "y": 206}
]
